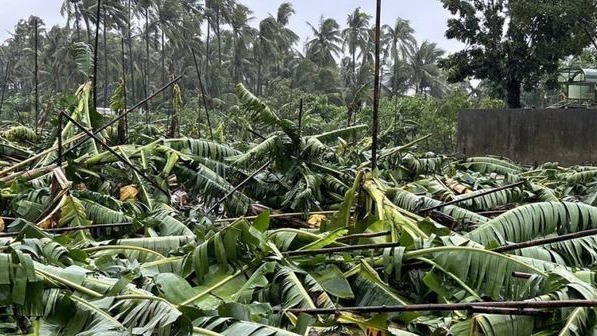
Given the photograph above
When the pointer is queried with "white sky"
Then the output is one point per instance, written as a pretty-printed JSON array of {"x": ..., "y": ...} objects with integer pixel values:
[{"x": 427, "y": 17}]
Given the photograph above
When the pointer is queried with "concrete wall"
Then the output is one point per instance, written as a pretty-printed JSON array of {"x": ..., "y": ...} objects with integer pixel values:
[{"x": 567, "y": 136}]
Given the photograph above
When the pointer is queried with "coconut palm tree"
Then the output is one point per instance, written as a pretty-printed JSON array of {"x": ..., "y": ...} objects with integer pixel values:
[
  {"x": 422, "y": 61},
  {"x": 397, "y": 39},
  {"x": 356, "y": 36},
  {"x": 239, "y": 39},
  {"x": 265, "y": 46},
  {"x": 325, "y": 45},
  {"x": 286, "y": 38}
]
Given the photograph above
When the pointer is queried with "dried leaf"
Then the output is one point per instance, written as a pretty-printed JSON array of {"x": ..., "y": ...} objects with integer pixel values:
[{"x": 128, "y": 193}]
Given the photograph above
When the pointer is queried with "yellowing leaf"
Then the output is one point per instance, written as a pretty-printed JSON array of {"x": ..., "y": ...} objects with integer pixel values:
[
  {"x": 128, "y": 193},
  {"x": 47, "y": 224},
  {"x": 315, "y": 220}
]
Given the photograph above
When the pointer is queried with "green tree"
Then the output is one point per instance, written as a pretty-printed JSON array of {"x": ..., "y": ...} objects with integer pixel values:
[
  {"x": 356, "y": 36},
  {"x": 422, "y": 61},
  {"x": 397, "y": 39},
  {"x": 514, "y": 42},
  {"x": 326, "y": 44}
]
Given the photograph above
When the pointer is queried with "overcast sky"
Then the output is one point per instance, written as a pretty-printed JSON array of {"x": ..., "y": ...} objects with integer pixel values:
[{"x": 427, "y": 17}]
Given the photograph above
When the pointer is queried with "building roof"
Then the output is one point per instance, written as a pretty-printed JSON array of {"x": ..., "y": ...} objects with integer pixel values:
[{"x": 577, "y": 75}]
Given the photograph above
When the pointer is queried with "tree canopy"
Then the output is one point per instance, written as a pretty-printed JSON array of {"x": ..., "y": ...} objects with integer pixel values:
[{"x": 516, "y": 42}]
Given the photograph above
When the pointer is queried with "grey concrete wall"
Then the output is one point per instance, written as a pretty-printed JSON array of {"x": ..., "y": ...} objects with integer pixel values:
[{"x": 567, "y": 136}]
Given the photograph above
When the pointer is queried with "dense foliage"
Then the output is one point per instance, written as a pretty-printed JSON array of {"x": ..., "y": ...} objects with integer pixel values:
[
  {"x": 500, "y": 34},
  {"x": 96, "y": 248},
  {"x": 267, "y": 219}
]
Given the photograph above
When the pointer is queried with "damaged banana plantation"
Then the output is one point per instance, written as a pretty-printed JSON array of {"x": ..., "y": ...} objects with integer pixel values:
[{"x": 232, "y": 184}]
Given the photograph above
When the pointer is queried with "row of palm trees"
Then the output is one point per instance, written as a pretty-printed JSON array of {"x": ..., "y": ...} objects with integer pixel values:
[{"x": 148, "y": 41}]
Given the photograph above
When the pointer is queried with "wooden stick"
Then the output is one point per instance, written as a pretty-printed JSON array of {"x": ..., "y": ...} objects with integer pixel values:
[
  {"x": 490, "y": 191},
  {"x": 471, "y": 306},
  {"x": 288, "y": 214},
  {"x": 113, "y": 152},
  {"x": 364, "y": 235},
  {"x": 545, "y": 241},
  {"x": 71, "y": 229},
  {"x": 522, "y": 275},
  {"x": 340, "y": 249},
  {"x": 238, "y": 187}
]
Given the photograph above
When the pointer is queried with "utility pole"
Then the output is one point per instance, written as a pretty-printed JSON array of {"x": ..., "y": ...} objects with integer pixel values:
[{"x": 376, "y": 86}]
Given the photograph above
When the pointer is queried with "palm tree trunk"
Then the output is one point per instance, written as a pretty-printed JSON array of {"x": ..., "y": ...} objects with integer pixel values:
[
  {"x": 88, "y": 27},
  {"x": 218, "y": 35},
  {"x": 130, "y": 47},
  {"x": 36, "y": 79},
  {"x": 207, "y": 49},
  {"x": 164, "y": 96},
  {"x": 95, "y": 53},
  {"x": 122, "y": 123},
  {"x": 354, "y": 66},
  {"x": 105, "y": 47},
  {"x": 258, "y": 78},
  {"x": 146, "y": 86},
  {"x": 395, "y": 85},
  {"x": 78, "y": 24}
]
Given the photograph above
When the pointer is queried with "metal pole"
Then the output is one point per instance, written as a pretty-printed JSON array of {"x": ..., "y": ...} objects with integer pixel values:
[{"x": 376, "y": 86}]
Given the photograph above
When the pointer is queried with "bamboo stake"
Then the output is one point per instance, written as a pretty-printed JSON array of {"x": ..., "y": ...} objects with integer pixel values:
[
  {"x": 113, "y": 152},
  {"x": 545, "y": 241},
  {"x": 522, "y": 275},
  {"x": 71, "y": 229},
  {"x": 490, "y": 191},
  {"x": 288, "y": 214},
  {"x": 340, "y": 249},
  {"x": 471, "y": 306},
  {"x": 364, "y": 235},
  {"x": 238, "y": 186},
  {"x": 123, "y": 115}
]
